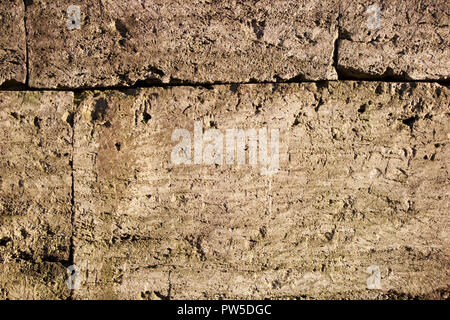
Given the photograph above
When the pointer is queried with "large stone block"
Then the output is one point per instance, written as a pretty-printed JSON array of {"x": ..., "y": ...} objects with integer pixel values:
[
  {"x": 118, "y": 43},
  {"x": 362, "y": 180},
  {"x": 12, "y": 42},
  {"x": 35, "y": 194},
  {"x": 395, "y": 39}
]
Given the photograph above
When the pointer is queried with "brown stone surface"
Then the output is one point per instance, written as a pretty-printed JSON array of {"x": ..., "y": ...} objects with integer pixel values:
[
  {"x": 412, "y": 41},
  {"x": 121, "y": 42},
  {"x": 35, "y": 194},
  {"x": 12, "y": 42},
  {"x": 363, "y": 180},
  {"x": 87, "y": 177}
]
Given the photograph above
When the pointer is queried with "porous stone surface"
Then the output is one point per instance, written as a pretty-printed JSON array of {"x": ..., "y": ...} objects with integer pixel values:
[
  {"x": 12, "y": 42},
  {"x": 90, "y": 177},
  {"x": 35, "y": 194},
  {"x": 362, "y": 181},
  {"x": 120, "y": 43},
  {"x": 411, "y": 40}
]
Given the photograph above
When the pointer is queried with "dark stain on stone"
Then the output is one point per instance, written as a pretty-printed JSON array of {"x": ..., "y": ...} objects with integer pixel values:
[
  {"x": 438, "y": 92},
  {"x": 234, "y": 87},
  {"x": 258, "y": 28},
  {"x": 319, "y": 104},
  {"x": 379, "y": 89},
  {"x": 122, "y": 28},
  {"x": 37, "y": 122},
  {"x": 4, "y": 241},
  {"x": 155, "y": 70},
  {"x": 100, "y": 107}
]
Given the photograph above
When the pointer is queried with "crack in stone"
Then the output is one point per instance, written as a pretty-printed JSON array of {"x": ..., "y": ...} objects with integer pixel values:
[
  {"x": 341, "y": 74},
  {"x": 27, "y": 75},
  {"x": 336, "y": 45},
  {"x": 72, "y": 195}
]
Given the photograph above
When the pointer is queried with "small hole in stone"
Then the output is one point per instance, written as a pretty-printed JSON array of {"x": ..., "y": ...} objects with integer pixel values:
[{"x": 37, "y": 122}]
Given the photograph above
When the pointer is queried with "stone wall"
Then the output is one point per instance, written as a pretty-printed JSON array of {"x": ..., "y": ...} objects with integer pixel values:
[{"x": 90, "y": 97}]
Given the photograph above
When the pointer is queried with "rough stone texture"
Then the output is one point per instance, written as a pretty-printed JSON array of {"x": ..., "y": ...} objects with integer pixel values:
[
  {"x": 122, "y": 42},
  {"x": 35, "y": 194},
  {"x": 86, "y": 178},
  {"x": 363, "y": 180},
  {"x": 12, "y": 42},
  {"x": 411, "y": 43}
]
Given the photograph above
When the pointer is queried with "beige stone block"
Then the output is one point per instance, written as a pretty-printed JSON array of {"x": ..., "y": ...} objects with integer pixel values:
[
  {"x": 35, "y": 193},
  {"x": 362, "y": 180},
  {"x": 121, "y": 43}
]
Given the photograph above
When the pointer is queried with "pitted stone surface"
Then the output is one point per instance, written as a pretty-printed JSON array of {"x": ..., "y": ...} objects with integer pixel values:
[
  {"x": 362, "y": 180},
  {"x": 35, "y": 194},
  {"x": 409, "y": 41},
  {"x": 120, "y": 43},
  {"x": 12, "y": 42},
  {"x": 88, "y": 177}
]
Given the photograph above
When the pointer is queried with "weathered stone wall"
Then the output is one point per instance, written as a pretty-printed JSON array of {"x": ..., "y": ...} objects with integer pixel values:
[{"x": 87, "y": 117}]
